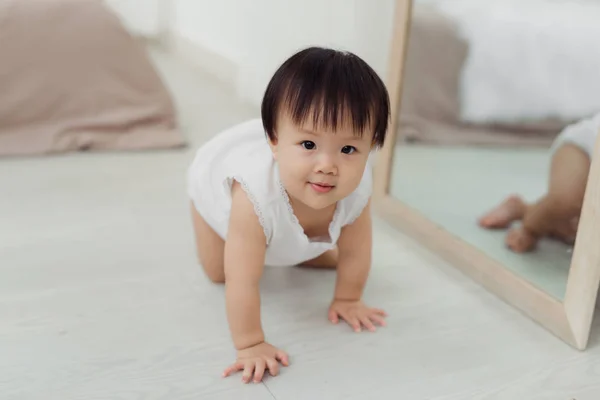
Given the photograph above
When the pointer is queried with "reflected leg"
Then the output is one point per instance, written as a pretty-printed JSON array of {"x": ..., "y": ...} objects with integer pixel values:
[{"x": 557, "y": 213}]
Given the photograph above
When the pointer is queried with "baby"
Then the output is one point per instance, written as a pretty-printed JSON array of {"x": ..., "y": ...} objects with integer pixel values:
[
  {"x": 557, "y": 213},
  {"x": 292, "y": 189}
]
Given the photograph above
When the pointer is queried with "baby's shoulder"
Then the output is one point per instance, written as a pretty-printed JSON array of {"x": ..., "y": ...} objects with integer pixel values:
[{"x": 257, "y": 183}]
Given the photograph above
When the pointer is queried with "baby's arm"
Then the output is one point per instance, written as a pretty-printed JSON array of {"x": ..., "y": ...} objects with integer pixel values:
[
  {"x": 355, "y": 244},
  {"x": 245, "y": 248},
  {"x": 354, "y": 261}
]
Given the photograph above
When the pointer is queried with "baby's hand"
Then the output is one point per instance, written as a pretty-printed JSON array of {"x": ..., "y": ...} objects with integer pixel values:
[
  {"x": 355, "y": 313},
  {"x": 254, "y": 360}
]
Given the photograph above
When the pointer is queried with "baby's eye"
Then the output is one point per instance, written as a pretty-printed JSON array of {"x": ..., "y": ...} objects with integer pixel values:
[
  {"x": 348, "y": 149},
  {"x": 308, "y": 145}
]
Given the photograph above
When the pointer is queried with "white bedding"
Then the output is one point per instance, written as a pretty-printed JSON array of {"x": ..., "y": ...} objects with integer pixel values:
[{"x": 528, "y": 59}]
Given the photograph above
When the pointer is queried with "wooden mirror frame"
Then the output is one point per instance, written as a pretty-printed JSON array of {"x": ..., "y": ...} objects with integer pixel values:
[{"x": 570, "y": 319}]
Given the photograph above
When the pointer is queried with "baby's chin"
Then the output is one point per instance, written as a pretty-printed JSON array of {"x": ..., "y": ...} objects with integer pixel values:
[
  {"x": 319, "y": 205},
  {"x": 320, "y": 201}
]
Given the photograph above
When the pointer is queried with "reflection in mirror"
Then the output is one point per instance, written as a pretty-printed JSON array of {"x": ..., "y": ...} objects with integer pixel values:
[{"x": 497, "y": 124}]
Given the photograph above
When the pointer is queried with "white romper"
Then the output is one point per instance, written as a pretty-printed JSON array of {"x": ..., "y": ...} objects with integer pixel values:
[
  {"x": 582, "y": 134},
  {"x": 242, "y": 153}
]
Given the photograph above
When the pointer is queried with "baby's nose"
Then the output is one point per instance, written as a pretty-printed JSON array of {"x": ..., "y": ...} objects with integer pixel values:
[{"x": 326, "y": 165}]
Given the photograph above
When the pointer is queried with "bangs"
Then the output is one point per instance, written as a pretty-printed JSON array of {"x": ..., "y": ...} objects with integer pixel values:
[{"x": 328, "y": 88}]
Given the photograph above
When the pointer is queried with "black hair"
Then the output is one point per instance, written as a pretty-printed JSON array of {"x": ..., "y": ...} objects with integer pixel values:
[{"x": 327, "y": 84}]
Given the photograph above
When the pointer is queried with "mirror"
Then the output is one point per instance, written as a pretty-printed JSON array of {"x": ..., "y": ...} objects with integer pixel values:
[{"x": 491, "y": 146}]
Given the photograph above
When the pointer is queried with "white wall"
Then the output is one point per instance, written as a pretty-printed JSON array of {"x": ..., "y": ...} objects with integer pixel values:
[
  {"x": 142, "y": 17},
  {"x": 257, "y": 35}
]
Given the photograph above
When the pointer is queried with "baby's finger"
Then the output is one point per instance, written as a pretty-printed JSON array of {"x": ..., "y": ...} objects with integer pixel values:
[
  {"x": 273, "y": 366},
  {"x": 367, "y": 323},
  {"x": 353, "y": 322},
  {"x": 248, "y": 370},
  {"x": 282, "y": 357},
  {"x": 333, "y": 317},
  {"x": 238, "y": 366},
  {"x": 377, "y": 319},
  {"x": 379, "y": 311},
  {"x": 259, "y": 370}
]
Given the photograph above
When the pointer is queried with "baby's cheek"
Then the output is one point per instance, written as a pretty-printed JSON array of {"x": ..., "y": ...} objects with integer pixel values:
[
  {"x": 347, "y": 185},
  {"x": 294, "y": 175},
  {"x": 356, "y": 179}
]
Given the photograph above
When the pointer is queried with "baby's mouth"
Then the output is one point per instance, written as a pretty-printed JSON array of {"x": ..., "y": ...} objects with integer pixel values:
[{"x": 321, "y": 187}]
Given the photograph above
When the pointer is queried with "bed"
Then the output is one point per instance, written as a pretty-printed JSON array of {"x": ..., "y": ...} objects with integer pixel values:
[
  {"x": 74, "y": 79},
  {"x": 499, "y": 72}
]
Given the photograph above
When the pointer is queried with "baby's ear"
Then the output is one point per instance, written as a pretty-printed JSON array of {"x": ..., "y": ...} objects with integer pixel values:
[{"x": 272, "y": 139}]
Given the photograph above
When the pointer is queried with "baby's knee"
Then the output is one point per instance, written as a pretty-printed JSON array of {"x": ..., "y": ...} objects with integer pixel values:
[
  {"x": 215, "y": 276},
  {"x": 214, "y": 269}
]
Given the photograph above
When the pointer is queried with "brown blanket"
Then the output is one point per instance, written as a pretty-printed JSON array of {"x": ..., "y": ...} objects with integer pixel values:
[
  {"x": 73, "y": 78},
  {"x": 430, "y": 108}
]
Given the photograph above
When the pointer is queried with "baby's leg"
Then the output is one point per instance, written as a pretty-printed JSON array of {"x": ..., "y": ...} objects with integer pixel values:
[
  {"x": 555, "y": 213},
  {"x": 210, "y": 248},
  {"x": 329, "y": 259},
  {"x": 568, "y": 179}
]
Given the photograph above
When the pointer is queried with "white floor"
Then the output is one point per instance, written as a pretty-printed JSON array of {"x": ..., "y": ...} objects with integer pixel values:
[
  {"x": 454, "y": 186},
  {"x": 101, "y": 297}
]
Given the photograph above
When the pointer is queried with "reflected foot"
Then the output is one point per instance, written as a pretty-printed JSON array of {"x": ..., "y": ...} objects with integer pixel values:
[
  {"x": 520, "y": 241},
  {"x": 510, "y": 210}
]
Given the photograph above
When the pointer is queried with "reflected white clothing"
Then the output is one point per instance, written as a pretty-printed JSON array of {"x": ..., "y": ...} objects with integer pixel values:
[
  {"x": 242, "y": 153},
  {"x": 582, "y": 134}
]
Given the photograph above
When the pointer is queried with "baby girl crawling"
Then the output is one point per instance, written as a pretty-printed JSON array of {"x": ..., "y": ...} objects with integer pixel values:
[
  {"x": 292, "y": 188},
  {"x": 557, "y": 213}
]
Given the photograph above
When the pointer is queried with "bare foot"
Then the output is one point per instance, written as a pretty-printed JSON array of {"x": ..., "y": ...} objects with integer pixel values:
[
  {"x": 520, "y": 241},
  {"x": 510, "y": 210}
]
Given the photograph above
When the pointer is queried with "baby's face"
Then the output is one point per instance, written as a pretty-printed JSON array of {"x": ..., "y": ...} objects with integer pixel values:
[{"x": 317, "y": 167}]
